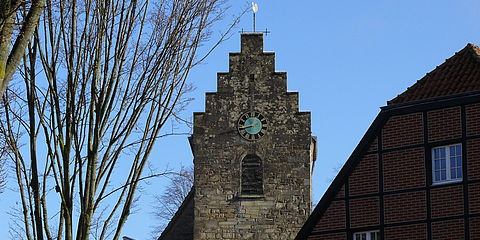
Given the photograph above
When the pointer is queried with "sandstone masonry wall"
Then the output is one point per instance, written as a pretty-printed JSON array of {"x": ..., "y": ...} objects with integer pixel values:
[{"x": 221, "y": 212}]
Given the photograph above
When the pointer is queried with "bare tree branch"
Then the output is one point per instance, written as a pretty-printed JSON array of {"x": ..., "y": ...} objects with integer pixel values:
[
  {"x": 168, "y": 202},
  {"x": 100, "y": 81},
  {"x": 10, "y": 60}
]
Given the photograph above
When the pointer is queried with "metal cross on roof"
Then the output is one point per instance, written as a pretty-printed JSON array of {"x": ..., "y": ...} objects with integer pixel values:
[
  {"x": 266, "y": 31},
  {"x": 255, "y": 10}
]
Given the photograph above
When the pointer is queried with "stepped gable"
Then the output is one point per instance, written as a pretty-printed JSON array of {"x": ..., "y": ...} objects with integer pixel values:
[{"x": 458, "y": 74}]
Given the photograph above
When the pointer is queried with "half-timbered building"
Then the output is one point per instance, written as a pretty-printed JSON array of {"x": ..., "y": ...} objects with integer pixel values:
[{"x": 416, "y": 172}]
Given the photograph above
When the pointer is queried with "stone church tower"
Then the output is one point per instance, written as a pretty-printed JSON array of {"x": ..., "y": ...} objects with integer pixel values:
[{"x": 253, "y": 152}]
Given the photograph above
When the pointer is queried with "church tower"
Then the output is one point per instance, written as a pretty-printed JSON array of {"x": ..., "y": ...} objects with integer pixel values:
[{"x": 253, "y": 152}]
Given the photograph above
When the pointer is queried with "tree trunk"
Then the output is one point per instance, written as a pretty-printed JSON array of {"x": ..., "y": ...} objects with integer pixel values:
[{"x": 10, "y": 61}]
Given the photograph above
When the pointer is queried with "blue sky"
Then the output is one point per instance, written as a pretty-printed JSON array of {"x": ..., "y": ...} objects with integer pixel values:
[{"x": 346, "y": 59}]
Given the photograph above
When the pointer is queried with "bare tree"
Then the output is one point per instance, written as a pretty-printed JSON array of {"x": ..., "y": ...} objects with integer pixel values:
[
  {"x": 15, "y": 14},
  {"x": 172, "y": 197},
  {"x": 100, "y": 80},
  {"x": 3, "y": 154}
]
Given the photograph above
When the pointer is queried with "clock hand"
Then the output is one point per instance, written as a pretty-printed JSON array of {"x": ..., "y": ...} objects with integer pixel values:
[{"x": 247, "y": 126}]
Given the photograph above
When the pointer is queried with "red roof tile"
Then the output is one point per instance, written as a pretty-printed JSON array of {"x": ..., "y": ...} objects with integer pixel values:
[{"x": 458, "y": 74}]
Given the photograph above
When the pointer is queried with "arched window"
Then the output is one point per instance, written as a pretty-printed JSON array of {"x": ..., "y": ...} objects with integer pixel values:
[{"x": 252, "y": 175}]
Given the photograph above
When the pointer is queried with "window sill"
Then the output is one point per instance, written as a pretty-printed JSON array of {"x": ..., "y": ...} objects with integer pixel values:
[
  {"x": 250, "y": 197},
  {"x": 447, "y": 182}
]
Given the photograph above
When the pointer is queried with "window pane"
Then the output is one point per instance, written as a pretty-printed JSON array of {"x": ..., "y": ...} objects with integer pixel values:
[
  {"x": 360, "y": 236},
  {"x": 442, "y": 152},
  {"x": 436, "y": 153},
  {"x": 452, "y": 151},
  {"x": 456, "y": 162},
  {"x": 445, "y": 166},
  {"x": 373, "y": 235}
]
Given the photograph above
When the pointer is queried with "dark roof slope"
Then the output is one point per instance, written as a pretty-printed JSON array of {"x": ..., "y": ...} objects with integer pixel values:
[
  {"x": 180, "y": 226},
  {"x": 458, "y": 74}
]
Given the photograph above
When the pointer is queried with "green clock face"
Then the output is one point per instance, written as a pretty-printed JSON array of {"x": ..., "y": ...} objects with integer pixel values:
[{"x": 252, "y": 125}]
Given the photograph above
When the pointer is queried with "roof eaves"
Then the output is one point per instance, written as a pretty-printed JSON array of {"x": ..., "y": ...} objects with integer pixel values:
[{"x": 430, "y": 100}]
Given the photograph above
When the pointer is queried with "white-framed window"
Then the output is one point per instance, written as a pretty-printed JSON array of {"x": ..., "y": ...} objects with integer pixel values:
[
  {"x": 371, "y": 235},
  {"x": 447, "y": 164}
]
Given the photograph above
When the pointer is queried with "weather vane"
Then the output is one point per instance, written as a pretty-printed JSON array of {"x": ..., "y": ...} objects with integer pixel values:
[{"x": 255, "y": 10}]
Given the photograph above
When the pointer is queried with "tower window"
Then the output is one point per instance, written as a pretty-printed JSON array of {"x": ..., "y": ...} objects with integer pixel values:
[
  {"x": 447, "y": 163},
  {"x": 252, "y": 175}
]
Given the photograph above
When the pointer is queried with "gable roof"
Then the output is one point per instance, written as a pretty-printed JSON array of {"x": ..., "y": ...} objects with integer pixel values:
[
  {"x": 458, "y": 74},
  {"x": 445, "y": 92}
]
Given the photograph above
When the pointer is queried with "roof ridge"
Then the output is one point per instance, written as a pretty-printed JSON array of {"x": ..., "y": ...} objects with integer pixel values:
[
  {"x": 475, "y": 50},
  {"x": 438, "y": 82}
]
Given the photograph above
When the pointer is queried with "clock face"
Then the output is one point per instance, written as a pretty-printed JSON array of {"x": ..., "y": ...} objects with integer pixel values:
[{"x": 252, "y": 125}]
